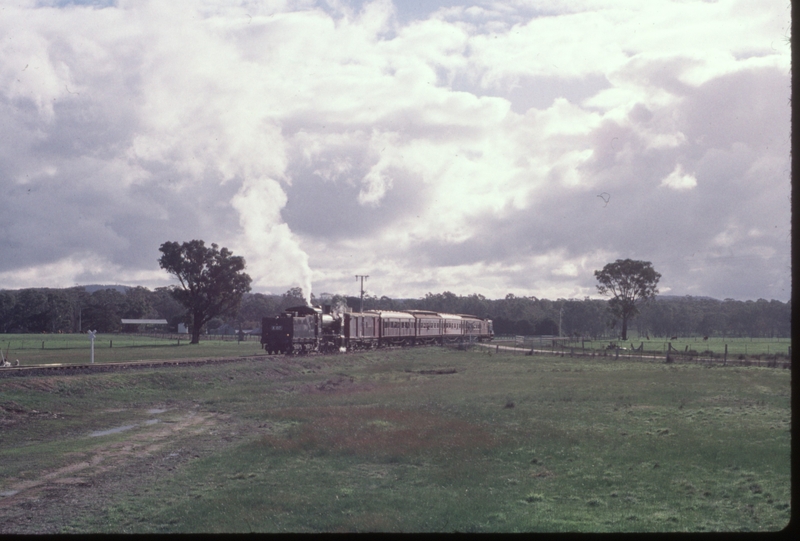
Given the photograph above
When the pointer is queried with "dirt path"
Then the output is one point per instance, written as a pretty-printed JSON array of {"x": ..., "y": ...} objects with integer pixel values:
[
  {"x": 47, "y": 502},
  {"x": 123, "y": 460}
]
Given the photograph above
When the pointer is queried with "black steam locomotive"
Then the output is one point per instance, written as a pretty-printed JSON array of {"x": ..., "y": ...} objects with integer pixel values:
[{"x": 303, "y": 329}]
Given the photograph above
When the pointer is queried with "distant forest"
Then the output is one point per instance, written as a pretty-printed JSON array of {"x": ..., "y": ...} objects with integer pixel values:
[{"x": 78, "y": 309}]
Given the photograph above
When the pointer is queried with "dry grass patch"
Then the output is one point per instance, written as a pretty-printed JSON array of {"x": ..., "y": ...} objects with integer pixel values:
[{"x": 375, "y": 431}]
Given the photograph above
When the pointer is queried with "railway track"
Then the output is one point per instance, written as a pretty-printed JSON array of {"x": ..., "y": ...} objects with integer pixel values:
[{"x": 74, "y": 369}]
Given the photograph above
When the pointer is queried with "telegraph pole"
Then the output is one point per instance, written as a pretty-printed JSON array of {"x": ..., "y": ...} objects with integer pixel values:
[{"x": 363, "y": 277}]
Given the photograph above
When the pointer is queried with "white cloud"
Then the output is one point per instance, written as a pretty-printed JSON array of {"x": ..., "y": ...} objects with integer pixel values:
[
  {"x": 461, "y": 150},
  {"x": 83, "y": 268},
  {"x": 678, "y": 180}
]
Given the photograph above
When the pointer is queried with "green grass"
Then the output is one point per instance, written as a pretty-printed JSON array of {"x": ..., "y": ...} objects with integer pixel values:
[
  {"x": 750, "y": 347},
  {"x": 33, "y": 349},
  {"x": 367, "y": 442}
]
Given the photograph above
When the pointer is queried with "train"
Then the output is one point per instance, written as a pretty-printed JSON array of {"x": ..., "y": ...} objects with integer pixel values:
[{"x": 306, "y": 329}]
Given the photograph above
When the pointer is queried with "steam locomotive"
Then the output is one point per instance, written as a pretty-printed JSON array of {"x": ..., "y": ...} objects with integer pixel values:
[{"x": 303, "y": 329}]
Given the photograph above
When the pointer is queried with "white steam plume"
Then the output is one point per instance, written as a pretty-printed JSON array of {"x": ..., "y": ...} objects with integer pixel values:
[{"x": 273, "y": 254}]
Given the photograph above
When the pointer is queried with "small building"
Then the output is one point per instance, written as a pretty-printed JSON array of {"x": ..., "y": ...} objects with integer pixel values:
[{"x": 136, "y": 324}]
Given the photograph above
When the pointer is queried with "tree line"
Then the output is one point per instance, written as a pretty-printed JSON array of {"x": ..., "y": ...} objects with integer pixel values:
[
  {"x": 664, "y": 316},
  {"x": 70, "y": 310},
  {"x": 214, "y": 295}
]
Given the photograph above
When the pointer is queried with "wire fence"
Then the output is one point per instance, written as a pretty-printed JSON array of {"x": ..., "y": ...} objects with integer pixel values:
[
  {"x": 111, "y": 340},
  {"x": 772, "y": 353},
  {"x": 691, "y": 345}
]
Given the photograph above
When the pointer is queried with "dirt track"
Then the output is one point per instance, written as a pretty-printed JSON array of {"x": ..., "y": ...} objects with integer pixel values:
[
  {"x": 46, "y": 501},
  {"x": 133, "y": 457}
]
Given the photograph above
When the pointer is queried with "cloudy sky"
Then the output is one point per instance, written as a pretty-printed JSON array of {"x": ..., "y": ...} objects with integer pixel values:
[{"x": 484, "y": 147}]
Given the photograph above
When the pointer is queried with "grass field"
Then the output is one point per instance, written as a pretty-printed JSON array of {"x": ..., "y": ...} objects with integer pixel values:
[
  {"x": 36, "y": 349},
  {"x": 417, "y": 440},
  {"x": 749, "y": 347}
]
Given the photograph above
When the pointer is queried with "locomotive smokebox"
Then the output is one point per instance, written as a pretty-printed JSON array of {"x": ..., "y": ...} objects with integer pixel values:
[{"x": 327, "y": 322}]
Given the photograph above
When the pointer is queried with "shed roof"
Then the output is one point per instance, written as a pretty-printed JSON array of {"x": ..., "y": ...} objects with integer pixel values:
[{"x": 144, "y": 321}]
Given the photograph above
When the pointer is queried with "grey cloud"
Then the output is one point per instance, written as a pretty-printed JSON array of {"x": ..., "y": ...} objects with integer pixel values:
[
  {"x": 87, "y": 127},
  {"x": 644, "y": 220},
  {"x": 528, "y": 92},
  {"x": 749, "y": 106},
  {"x": 83, "y": 207},
  {"x": 330, "y": 209}
]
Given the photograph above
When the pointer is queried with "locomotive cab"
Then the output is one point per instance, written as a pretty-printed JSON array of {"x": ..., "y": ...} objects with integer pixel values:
[
  {"x": 297, "y": 327},
  {"x": 276, "y": 333}
]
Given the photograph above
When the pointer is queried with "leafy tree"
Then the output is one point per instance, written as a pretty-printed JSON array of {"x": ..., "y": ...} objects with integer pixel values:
[
  {"x": 338, "y": 302},
  {"x": 583, "y": 318},
  {"x": 30, "y": 311},
  {"x": 137, "y": 303},
  {"x": 546, "y": 326},
  {"x": 629, "y": 282},
  {"x": 104, "y": 311},
  {"x": 255, "y": 307},
  {"x": 168, "y": 308},
  {"x": 7, "y": 303},
  {"x": 59, "y": 311},
  {"x": 293, "y": 297},
  {"x": 212, "y": 281}
]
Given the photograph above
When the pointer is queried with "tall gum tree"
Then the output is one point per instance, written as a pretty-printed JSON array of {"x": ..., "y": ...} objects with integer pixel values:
[
  {"x": 212, "y": 281},
  {"x": 629, "y": 283}
]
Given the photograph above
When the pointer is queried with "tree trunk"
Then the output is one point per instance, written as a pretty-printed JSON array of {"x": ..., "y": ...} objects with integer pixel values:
[
  {"x": 624, "y": 327},
  {"x": 196, "y": 328}
]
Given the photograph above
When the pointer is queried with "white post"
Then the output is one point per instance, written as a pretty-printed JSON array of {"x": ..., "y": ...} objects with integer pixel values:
[{"x": 91, "y": 337}]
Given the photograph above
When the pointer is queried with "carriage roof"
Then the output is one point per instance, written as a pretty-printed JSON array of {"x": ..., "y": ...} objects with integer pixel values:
[{"x": 391, "y": 314}]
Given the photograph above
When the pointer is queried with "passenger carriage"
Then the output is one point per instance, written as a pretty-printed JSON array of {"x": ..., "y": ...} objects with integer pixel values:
[
  {"x": 361, "y": 330},
  {"x": 476, "y": 327},
  {"x": 428, "y": 326},
  {"x": 452, "y": 327},
  {"x": 396, "y": 328}
]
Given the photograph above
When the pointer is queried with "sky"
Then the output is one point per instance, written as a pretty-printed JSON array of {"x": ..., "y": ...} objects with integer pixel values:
[{"x": 474, "y": 147}]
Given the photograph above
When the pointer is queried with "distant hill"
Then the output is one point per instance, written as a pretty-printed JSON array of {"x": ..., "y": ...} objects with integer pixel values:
[{"x": 96, "y": 287}]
